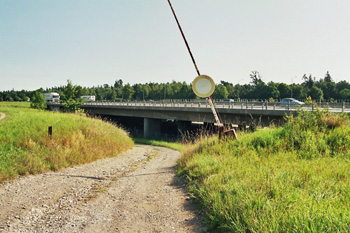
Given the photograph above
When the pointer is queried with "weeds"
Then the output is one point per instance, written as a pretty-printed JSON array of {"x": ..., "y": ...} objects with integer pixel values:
[{"x": 289, "y": 179}]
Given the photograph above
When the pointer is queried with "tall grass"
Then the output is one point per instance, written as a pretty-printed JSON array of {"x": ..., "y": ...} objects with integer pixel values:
[
  {"x": 26, "y": 148},
  {"x": 290, "y": 179}
]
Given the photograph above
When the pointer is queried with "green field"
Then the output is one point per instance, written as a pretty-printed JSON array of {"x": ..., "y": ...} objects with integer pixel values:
[
  {"x": 26, "y": 148},
  {"x": 295, "y": 178}
]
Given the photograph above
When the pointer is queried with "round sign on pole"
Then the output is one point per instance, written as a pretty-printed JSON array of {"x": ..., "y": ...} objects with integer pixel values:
[{"x": 203, "y": 86}]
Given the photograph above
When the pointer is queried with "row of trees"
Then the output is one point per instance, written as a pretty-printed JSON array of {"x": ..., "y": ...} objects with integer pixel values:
[{"x": 257, "y": 89}]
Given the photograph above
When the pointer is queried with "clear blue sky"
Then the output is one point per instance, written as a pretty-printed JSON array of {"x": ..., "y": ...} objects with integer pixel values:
[{"x": 45, "y": 42}]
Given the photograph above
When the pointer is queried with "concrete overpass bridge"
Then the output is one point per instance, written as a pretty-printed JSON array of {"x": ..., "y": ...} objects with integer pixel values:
[{"x": 185, "y": 113}]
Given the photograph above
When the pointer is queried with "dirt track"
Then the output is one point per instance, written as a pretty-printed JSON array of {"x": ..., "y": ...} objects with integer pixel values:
[{"x": 134, "y": 192}]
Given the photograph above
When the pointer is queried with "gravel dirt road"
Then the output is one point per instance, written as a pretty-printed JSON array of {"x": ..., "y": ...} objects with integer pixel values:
[{"x": 136, "y": 191}]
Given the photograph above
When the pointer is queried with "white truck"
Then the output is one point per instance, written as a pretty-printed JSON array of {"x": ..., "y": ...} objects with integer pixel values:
[
  {"x": 52, "y": 97},
  {"x": 88, "y": 98}
]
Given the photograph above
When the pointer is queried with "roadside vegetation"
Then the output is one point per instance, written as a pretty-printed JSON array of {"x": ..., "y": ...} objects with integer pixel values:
[
  {"x": 294, "y": 178},
  {"x": 26, "y": 148}
]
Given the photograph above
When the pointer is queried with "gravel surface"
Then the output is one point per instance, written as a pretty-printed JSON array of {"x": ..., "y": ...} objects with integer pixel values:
[{"x": 136, "y": 191}]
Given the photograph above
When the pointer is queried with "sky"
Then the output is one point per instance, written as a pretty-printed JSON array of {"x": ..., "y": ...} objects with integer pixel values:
[{"x": 43, "y": 43}]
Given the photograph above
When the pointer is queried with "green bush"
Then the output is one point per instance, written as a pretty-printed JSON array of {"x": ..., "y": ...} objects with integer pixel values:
[{"x": 38, "y": 101}]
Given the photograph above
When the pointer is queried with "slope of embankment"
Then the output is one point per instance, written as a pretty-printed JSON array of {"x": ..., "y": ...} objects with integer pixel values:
[
  {"x": 26, "y": 147},
  {"x": 290, "y": 179}
]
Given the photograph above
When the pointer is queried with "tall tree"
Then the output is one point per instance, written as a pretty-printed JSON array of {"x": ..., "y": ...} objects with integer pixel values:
[
  {"x": 118, "y": 83},
  {"x": 114, "y": 95},
  {"x": 139, "y": 93},
  {"x": 237, "y": 91},
  {"x": 316, "y": 93},
  {"x": 255, "y": 78},
  {"x": 272, "y": 91},
  {"x": 328, "y": 77},
  {"x": 342, "y": 85},
  {"x": 308, "y": 81},
  {"x": 328, "y": 87},
  {"x": 220, "y": 92},
  {"x": 285, "y": 90},
  {"x": 259, "y": 87},
  {"x": 128, "y": 92},
  {"x": 230, "y": 89},
  {"x": 298, "y": 92}
]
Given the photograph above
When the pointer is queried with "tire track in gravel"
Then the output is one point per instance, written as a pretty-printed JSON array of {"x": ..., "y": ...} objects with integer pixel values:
[{"x": 136, "y": 191}]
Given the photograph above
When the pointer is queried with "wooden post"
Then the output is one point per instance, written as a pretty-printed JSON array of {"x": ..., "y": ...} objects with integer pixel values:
[{"x": 50, "y": 131}]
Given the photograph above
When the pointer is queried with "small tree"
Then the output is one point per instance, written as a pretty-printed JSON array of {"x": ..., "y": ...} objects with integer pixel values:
[
  {"x": 38, "y": 100},
  {"x": 70, "y": 97},
  {"x": 308, "y": 100}
]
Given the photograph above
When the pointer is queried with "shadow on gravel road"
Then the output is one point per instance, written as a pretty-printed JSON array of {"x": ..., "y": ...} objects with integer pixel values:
[
  {"x": 76, "y": 176},
  {"x": 192, "y": 205}
]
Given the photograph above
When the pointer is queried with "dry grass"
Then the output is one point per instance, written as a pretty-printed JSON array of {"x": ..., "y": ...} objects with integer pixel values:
[{"x": 26, "y": 148}]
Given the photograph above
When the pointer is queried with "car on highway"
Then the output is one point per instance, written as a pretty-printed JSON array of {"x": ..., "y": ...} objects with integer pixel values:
[
  {"x": 291, "y": 101},
  {"x": 228, "y": 100}
]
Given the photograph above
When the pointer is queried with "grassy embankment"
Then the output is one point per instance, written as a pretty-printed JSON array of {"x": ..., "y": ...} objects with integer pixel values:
[
  {"x": 26, "y": 148},
  {"x": 290, "y": 179}
]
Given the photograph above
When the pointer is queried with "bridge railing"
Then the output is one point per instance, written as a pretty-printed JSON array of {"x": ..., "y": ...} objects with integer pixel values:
[
  {"x": 334, "y": 107},
  {"x": 257, "y": 105}
]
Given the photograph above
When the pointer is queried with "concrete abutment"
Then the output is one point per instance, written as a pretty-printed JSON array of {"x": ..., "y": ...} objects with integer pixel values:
[{"x": 151, "y": 127}]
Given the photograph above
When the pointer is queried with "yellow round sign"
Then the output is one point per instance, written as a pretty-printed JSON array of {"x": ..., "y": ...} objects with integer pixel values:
[{"x": 203, "y": 86}]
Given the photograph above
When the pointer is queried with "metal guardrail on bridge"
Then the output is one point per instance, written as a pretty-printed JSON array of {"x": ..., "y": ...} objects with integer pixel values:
[{"x": 332, "y": 107}]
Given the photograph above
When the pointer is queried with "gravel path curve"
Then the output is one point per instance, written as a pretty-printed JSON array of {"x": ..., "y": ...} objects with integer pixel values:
[{"x": 136, "y": 191}]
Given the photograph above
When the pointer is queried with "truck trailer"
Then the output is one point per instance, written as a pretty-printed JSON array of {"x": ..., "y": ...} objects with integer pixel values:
[{"x": 52, "y": 97}]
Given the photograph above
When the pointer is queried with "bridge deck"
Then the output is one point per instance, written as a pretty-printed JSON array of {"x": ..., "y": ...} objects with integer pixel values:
[{"x": 235, "y": 112}]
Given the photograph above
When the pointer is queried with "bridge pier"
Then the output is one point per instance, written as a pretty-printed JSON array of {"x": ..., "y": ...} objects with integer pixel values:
[
  {"x": 151, "y": 127},
  {"x": 54, "y": 108}
]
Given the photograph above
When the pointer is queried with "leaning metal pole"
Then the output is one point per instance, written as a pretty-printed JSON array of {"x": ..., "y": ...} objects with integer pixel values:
[
  {"x": 216, "y": 117},
  {"x": 221, "y": 126}
]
